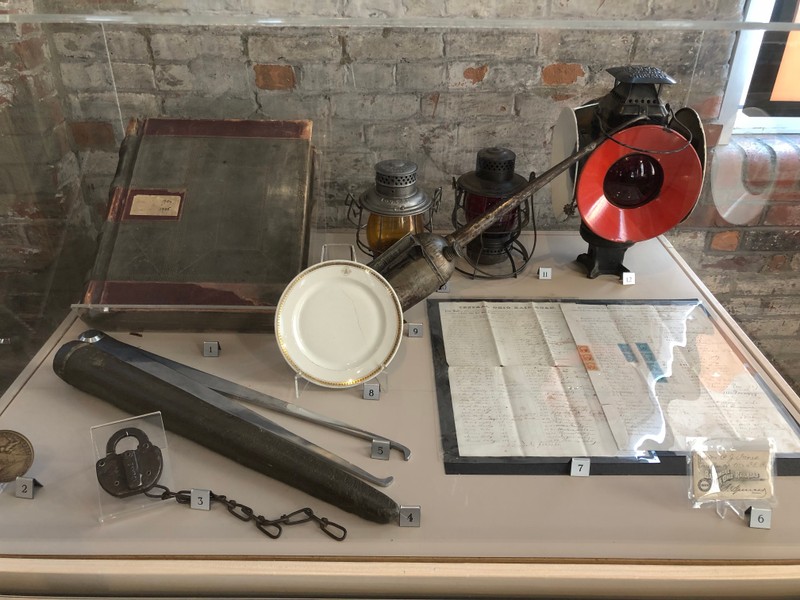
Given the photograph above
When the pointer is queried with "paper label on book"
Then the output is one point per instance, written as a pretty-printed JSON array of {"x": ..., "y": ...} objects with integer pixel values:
[{"x": 155, "y": 205}]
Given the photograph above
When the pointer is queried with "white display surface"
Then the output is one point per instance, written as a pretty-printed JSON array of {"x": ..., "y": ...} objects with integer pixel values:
[{"x": 480, "y": 534}]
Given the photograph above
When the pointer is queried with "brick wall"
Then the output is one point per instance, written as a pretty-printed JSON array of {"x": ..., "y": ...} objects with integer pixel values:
[{"x": 434, "y": 95}]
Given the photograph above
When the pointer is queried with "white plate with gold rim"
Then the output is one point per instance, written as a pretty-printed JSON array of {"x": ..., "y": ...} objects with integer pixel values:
[{"x": 338, "y": 323}]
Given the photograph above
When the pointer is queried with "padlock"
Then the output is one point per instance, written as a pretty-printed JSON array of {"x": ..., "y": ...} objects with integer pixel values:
[{"x": 133, "y": 471}]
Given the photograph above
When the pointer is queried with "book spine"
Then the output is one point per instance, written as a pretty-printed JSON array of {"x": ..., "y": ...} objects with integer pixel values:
[{"x": 117, "y": 195}]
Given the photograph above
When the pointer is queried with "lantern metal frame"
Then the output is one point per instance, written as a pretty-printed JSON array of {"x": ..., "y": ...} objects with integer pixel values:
[
  {"x": 509, "y": 248},
  {"x": 355, "y": 215}
]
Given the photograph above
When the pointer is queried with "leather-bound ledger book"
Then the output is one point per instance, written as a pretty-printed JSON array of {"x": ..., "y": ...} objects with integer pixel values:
[{"x": 208, "y": 220}]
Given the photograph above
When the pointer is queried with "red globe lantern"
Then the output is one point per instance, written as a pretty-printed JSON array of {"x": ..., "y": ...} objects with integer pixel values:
[{"x": 492, "y": 182}]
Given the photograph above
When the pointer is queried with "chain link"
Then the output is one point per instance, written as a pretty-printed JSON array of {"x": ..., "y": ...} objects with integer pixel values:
[{"x": 269, "y": 527}]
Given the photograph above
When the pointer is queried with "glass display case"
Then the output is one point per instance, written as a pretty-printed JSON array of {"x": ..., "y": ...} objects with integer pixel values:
[{"x": 431, "y": 85}]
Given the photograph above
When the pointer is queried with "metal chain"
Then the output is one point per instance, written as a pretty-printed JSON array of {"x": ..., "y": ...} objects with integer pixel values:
[{"x": 269, "y": 527}]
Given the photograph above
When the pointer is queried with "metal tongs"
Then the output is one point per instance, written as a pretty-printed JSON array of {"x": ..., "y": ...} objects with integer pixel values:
[{"x": 221, "y": 393}]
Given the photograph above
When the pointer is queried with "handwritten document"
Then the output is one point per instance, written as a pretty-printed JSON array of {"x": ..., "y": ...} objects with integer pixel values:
[
  {"x": 579, "y": 379},
  {"x": 732, "y": 475}
]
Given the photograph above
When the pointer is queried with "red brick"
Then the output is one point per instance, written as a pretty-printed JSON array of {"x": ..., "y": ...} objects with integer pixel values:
[
  {"x": 758, "y": 170},
  {"x": 726, "y": 241},
  {"x": 787, "y": 160},
  {"x": 562, "y": 73},
  {"x": 476, "y": 74},
  {"x": 708, "y": 108},
  {"x": 275, "y": 77},
  {"x": 777, "y": 262},
  {"x": 27, "y": 29},
  {"x": 30, "y": 52},
  {"x": 743, "y": 263},
  {"x": 36, "y": 207},
  {"x": 771, "y": 166},
  {"x": 703, "y": 216},
  {"x": 785, "y": 194},
  {"x": 787, "y": 166},
  {"x": 783, "y": 214},
  {"x": 42, "y": 84},
  {"x": 712, "y": 131},
  {"x": 93, "y": 135}
]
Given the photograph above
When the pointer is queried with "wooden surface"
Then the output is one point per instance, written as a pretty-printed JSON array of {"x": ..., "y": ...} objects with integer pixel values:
[{"x": 482, "y": 535}]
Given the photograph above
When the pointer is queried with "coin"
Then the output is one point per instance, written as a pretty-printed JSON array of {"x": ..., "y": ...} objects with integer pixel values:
[{"x": 16, "y": 455}]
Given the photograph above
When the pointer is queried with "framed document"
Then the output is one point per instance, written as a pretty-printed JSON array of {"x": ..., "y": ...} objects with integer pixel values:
[{"x": 527, "y": 386}]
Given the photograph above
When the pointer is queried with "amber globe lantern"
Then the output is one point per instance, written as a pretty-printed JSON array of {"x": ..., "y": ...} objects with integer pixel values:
[{"x": 395, "y": 204}]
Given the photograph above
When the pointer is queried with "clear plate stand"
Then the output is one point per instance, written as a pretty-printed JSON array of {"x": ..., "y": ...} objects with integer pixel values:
[
  {"x": 341, "y": 252},
  {"x": 301, "y": 384}
]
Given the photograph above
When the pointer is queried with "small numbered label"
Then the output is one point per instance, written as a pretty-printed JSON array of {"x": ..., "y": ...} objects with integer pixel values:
[
  {"x": 580, "y": 467},
  {"x": 761, "y": 518},
  {"x": 211, "y": 348},
  {"x": 25, "y": 487},
  {"x": 628, "y": 278},
  {"x": 545, "y": 272},
  {"x": 444, "y": 288},
  {"x": 200, "y": 499},
  {"x": 410, "y": 516},
  {"x": 372, "y": 391},
  {"x": 415, "y": 330},
  {"x": 380, "y": 449}
]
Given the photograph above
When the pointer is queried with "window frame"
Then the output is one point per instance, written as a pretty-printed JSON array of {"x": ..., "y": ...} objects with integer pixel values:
[{"x": 745, "y": 57}]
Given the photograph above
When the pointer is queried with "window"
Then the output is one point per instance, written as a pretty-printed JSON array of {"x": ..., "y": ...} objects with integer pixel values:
[{"x": 763, "y": 94}]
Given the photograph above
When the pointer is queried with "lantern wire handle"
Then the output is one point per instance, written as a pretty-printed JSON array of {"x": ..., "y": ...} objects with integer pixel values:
[
  {"x": 354, "y": 209},
  {"x": 646, "y": 150},
  {"x": 355, "y": 214}
]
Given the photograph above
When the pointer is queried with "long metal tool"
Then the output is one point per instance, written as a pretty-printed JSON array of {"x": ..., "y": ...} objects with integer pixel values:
[
  {"x": 135, "y": 391},
  {"x": 245, "y": 394},
  {"x": 146, "y": 362},
  {"x": 419, "y": 264}
]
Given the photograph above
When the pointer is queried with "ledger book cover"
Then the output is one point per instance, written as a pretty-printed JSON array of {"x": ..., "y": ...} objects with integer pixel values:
[{"x": 208, "y": 221}]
